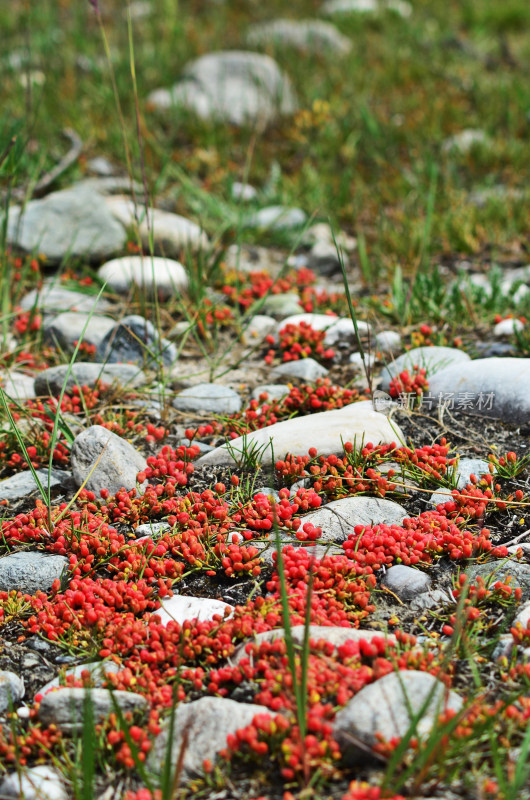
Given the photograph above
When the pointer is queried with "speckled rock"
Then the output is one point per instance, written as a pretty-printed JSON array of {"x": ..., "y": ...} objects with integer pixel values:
[
  {"x": 493, "y": 571},
  {"x": 52, "y": 380},
  {"x": 306, "y": 369},
  {"x": 339, "y": 518},
  {"x": 136, "y": 340},
  {"x": 325, "y": 431},
  {"x": 105, "y": 461},
  {"x": 66, "y": 329},
  {"x": 23, "y": 483},
  {"x": 385, "y": 707},
  {"x": 207, "y": 722},
  {"x": 11, "y": 689},
  {"x": 406, "y": 582},
  {"x": 164, "y": 276},
  {"x": 71, "y": 222},
  {"x": 29, "y": 571},
  {"x": 210, "y": 397},
  {"x": 66, "y": 707}
]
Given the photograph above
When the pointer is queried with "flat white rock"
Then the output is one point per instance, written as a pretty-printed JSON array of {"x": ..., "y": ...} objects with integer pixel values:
[
  {"x": 163, "y": 275},
  {"x": 507, "y": 327},
  {"x": 337, "y": 328},
  {"x": 179, "y": 609},
  {"x": 339, "y": 518},
  {"x": 38, "y": 783},
  {"x": 357, "y": 423}
]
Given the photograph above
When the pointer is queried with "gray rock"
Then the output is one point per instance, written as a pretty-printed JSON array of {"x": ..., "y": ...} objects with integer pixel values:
[
  {"x": 54, "y": 299},
  {"x": 208, "y": 397},
  {"x": 135, "y": 339},
  {"x": 232, "y": 86},
  {"x": 258, "y": 327},
  {"x": 495, "y": 349},
  {"x": 332, "y": 634},
  {"x": 433, "y": 359},
  {"x": 326, "y": 431},
  {"x": 17, "y": 385},
  {"x": 491, "y": 387},
  {"x": 207, "y": 722},
  {"x": 428, "y": 600},
  {"x": 163, "y": 276},
  {"x": 339, "y": 518},
  {"x": 72, "y": 222},
  {"x": 98, "y": 672},
  {"x": 66, "y": 329},
  {"x": 23, "y": 483},
  {"x": 66, "y": 707},
  {"x": 357, "y": 360},
  {"x": 275, "y": 391},
  {"x": 493, "y": 571},
  {"x": 28, "y": 571},
  {"x": 151, "y": 530},
  {"x": 277, "y": 218},
  {"x": 386, "y": 707},
  {"x": 51, "y": 380},
  {"x": 388, "y": 341},
  {"x": 169, "y": 233},
  {"x": 507, "y": 327},
  {"x": 406, "y": 582},
  {"x": 306, "y": 35},
  {"x": 11, "y": 689},
  {"x": 37, "y": 783},
  {"x": 324, "y": 258},
  {"x": 306, "y": 369},
  {"x": 117, "y": 461},
  {"x": 281, "y": 305},
  {"x": 466, "y": 467}
]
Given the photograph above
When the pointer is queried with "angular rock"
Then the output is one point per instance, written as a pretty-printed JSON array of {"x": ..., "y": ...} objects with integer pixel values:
[
  {"x": 170, "y": 232},
  {"x": 277, "y": 218},
  {"x": 29, "y": 571},
  {"x": 358, "y": 423},
  {"x": 11, "y": 689},
  {"x": 306, "y": 369},
  {"x": 306, "y": 35},
  {"x": 118, "y": 462},
  {"x": 433, "y": 359},
  {"x": 23, "y": 483},
  {"x": 406, "y": 582},
  {"x": 338, "y": 329},
  {"x": 51, "y": 380},
  {"x": 339, "y": 518},
  {"x": 466, "y": 467},
  {"x": 72, "y": 222},
  {"x": 490, "y": 387},
  {"x": 65, "y": 707},
  {"x": 206, "y": 722},
  {"x": 164, "y": 276},
  {"x": 209, "y": 397},
  {"x": 179, "y": 609},
  {"x": 332, "y": 634},
  {"x": 232, "y": 86},
  {"x": 386, "y": 708},
  {"x": 136, "y": 340},
  {"x": 66, "y": 329},
  {"x": 36, "y": 783},
  {"x": 53, "y": 299},
  {"x": 17, "y": 385}
]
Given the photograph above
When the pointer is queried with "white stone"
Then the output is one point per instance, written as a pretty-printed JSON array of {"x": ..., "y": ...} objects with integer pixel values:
[
  {"x": 233, "y": 86},
  {"x": 65, "y": 707},
  {"x": 337, "y": 328},
  {"x": 357, "y": 423},
  {"x": 105, "y": 461},
  {"x": 305, "y": 369},
  {"x": 98, "y": 672},
  {"x": 54, "y": 299},
  {"x": 465, "y": 468},
  {"x": 357, "y": 360},
  {"x": 171, "y": 233},
  {"x": 38, "y": 783},
  {"x": 464, "y": 141},
  {"x": 243, "y": 191},
  {"x": 17, "y": 385},
  {"x": 167, "y": 277},
  {"x": 258, "y": 327},
  {"x": 11, "y": 689},
  {"x": 388, "y": 341},
  {"x": 180, "y": 608},
  {"x": 400, "y": 7},
  {"x": 23, "y": 483},
  {"x": 276, "y": 391},
  {"x": 72, "y": 326},
  {"x": 307, "y": 35},
  {"x": 339, "y": 518},
  {"x": 433, "y": 359},
  {"x": 406, "y": 582},
  {"x": 277, "y": 218},
  {"x": 507, "y": 327},
  {"x": 210, "y": 397}
]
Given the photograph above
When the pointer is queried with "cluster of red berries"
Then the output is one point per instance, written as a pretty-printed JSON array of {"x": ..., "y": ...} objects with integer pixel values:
[
  {"x": 297, "y": 341},
  {"x": 411, "y": 384}
]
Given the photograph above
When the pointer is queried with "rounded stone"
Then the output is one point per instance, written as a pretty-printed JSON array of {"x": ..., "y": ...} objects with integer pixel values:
[
  {"x": 28, "y": 571},
  {"x": 150, "y": 274},
  {"x": 209, "y": 397},
  {"x": 406, "y": 582},
  {"x": 105, "y": 461},
  {"x": 433, "y": 359},
  {"x": 11, "y": 689}
]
